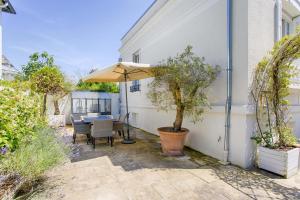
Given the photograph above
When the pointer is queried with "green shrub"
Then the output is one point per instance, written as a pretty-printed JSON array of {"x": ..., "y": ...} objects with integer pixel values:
[
  {"x": 19, "y": 114},
  {"x": 33, "y": 158},
  {"x": 100, "y": 87}
]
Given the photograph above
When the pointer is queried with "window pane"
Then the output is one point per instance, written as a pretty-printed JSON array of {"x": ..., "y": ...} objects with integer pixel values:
[
  {"x": 92, "y": 105},
  {"x": 108, "y": 106},
  {"x": 78, "y": 106},
  {"x": 102, "y": 105}
]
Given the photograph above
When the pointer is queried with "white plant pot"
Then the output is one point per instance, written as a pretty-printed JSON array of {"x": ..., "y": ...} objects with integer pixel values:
[
  {"x": 57, "y": 120},
  {"x": 284, "y": 163}
]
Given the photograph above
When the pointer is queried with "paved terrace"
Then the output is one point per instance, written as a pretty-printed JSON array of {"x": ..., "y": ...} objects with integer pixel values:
[{"x": 139, "y": 171}]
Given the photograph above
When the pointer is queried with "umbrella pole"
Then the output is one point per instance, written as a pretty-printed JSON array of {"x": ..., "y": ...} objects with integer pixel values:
[{"x": 127, "y": 140}]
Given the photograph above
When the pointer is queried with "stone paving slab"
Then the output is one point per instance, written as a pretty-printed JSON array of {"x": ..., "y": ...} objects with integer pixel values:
[{"x": 141, "y": 172}]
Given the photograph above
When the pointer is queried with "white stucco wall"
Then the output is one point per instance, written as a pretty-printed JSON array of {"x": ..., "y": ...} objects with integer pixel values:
[{"x": 202, "y": 24}]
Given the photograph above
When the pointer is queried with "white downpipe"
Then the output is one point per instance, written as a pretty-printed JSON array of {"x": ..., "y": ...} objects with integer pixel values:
[
  {"x": 229, "y": 84},
  {"x": 278, "y": 20}
]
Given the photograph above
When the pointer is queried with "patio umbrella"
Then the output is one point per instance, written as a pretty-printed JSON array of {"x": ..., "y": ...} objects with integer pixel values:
[{"x": 121, "y": 72}]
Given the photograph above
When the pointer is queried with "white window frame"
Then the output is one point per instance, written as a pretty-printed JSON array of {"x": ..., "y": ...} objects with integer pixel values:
[{"x": 136, "y": 84}]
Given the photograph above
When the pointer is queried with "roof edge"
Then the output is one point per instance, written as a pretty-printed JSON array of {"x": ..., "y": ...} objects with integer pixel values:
[
  {"x": 9, "y": 8},
  {"x": 139, "y": 19}
]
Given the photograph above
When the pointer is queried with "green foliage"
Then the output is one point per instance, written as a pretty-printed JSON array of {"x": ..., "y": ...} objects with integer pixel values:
[
  {"x": 36, "y": 62},
  {"x": 270, "y": 90},
  {"x": 47, "y": 80},
  {"x": 101, "y": 87},
  {"x": 182, "y": 81},
  {"x": 19, "y": 113},
  {"x": 33, "y": 158}
]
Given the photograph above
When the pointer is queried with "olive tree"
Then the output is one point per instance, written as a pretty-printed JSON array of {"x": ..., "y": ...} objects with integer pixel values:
[
  {"x": 182, "y": 81},
  {"x": 36, "y": 62},
  {"x": 47, "y": 81}
]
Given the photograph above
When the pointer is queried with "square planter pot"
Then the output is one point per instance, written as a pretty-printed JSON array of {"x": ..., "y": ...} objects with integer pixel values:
[
  {"x": 284, "y": 163},
  {"x": 57, "y": 120}
]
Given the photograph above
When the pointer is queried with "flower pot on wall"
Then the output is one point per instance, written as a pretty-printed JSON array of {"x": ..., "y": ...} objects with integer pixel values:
[
  {"x": 282, "y": 162},
  {"x": 57, "y": 120},
  {"x": 172, "y": 143}
]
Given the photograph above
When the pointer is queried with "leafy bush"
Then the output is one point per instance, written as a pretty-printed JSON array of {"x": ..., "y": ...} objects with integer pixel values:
[
  {"x": 19, "y": 114},
  {"x": 33, "y": 158},
  {"x": 100, "y": 87}
]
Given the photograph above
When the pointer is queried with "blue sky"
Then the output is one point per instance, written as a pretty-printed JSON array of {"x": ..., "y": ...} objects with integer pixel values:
[{"x": 81, "y": 35}]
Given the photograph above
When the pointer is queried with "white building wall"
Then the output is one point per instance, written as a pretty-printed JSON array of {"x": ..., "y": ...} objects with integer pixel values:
[{"x": 202, "y": 24}]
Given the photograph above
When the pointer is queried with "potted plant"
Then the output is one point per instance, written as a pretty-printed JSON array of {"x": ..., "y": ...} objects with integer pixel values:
[
  {"x": 277, "y": 150},
  {"x": 181, "y": 81}
]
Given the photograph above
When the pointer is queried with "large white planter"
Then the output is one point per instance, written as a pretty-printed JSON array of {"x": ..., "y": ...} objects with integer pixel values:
[
  {"x": 284, "y": 163},
  {"x": 57, "y": 120}
]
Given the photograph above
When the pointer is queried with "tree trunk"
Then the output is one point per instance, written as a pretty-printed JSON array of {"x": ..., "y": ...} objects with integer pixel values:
[
  {"x": 179, "y": 107},
  {"x": 179, "y": 118},
  {"x": 56, "y": 107},
  {"x": 45, "y": 104}
]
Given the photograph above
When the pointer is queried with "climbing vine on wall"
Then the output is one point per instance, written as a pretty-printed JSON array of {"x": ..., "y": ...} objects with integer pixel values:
[{"x": 270, "y": 89}]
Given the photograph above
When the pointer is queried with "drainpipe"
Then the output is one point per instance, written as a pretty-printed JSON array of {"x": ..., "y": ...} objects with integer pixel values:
[
  {"x": 278, "y": 20},
  {"x": 229, "y": 83}
]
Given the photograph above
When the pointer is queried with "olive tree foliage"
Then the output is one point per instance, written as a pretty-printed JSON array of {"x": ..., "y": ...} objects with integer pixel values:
[
  {"x": 36, "y": 62},
  {"x": 181, "y": 81},
  {"x": 47, "y": 81},
  {"x": 270, "y": 89}
]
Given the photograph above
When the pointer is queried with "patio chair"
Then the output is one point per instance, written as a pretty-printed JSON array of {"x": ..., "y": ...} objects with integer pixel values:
[
  {"x": 118, "y": 127},
  {"x": 76, "y": 117},
  {"x": 102, "y": 129},
  {"x": 80, "y": 128}
]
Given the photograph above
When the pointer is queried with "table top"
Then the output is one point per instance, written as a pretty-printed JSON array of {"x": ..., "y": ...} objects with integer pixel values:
[{"x": 87, "y": 119}]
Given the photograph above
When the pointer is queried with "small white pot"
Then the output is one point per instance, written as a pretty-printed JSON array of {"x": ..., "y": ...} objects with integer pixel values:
[
  {"x": 284, "y": 163},
  {"x": 57, "y": 120}
]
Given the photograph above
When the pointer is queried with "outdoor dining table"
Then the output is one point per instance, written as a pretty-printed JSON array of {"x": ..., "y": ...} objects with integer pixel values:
[{"x": 89, "y": 120}]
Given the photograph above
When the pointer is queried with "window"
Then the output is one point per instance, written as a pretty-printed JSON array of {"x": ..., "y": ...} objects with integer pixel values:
[
  {"x": 136, "y": 57},
  {"x": 136, "y": 83},
  {"x": 135, "y": 86},
  {"x": 285, "y": 27},
  {"x": 83, "y": 106}
]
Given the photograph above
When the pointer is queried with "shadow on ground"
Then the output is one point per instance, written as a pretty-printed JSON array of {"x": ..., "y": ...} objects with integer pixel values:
[{"x": 146, "y": 153}]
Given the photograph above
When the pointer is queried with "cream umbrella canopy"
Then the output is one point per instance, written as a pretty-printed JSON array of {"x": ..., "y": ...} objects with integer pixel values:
[{"x": 121, "y": 72}]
